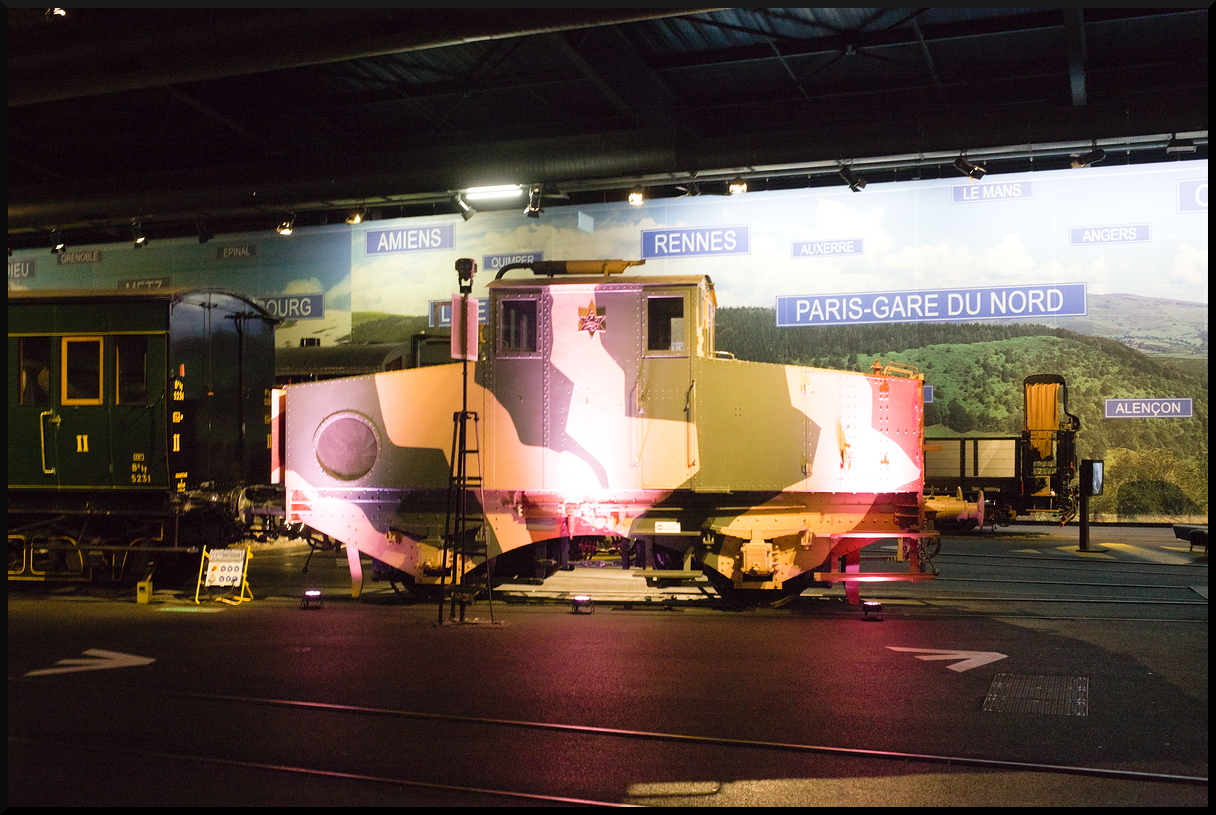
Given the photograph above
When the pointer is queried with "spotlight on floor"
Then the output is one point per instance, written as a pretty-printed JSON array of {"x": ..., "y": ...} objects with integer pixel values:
[
  {"x": 312, "y": 599},
  {"x": 869, "y": 607},
  {"x": 582, "y": 604}
]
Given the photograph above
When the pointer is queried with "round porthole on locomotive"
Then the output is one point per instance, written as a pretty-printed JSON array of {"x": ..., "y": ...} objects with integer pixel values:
[{"x": 347, "y": 445}]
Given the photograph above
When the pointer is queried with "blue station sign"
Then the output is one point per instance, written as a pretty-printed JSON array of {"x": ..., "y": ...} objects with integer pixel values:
[
  {"x": 830, "y": 248},
  {"x": 295, "y": 306},
  {"x": 1149, "y": 409},
  {"x": 493, "y": 263},
  {"x": 1126, "y": 233},
  {"x": 410, "y": 239},
  {"x": 439, "y": 315},
  {"x": 933, "y": 305},
  {"x": 1193, "y": 195},
  {"x": 696, "y": 241},
  {"x": 986, "y": 192}
]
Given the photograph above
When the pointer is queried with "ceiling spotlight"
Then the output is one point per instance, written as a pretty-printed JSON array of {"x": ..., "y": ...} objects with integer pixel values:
[
  {"x": 1086, "y": 159},
  {"x": 57, "y": 244},
  {"x": 137, "y": 234},
  {"x": 204, "y": 233},
  {"x": 737, "y": 186},
  {"x": 54, "y": 12},
  {"x": 636, "y": 197},
  {"x": 1180, "y": 146},
  {"x": 466, "y": 211},
  {"x": 856, "y": 183},
  {"x": 357, "y": 216},
  {"x": 533, "y": 209},
  {"x": 285, "y": 227},
  {"x": 973, "y": 171},
  {"x": 496, "y": 191}
]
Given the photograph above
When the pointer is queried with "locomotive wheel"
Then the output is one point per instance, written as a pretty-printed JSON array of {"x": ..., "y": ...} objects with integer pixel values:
[
  {"x": 756, "y": 598},
  {"x": 956, "y": 527},
  {"x": 750, "y": 598}
]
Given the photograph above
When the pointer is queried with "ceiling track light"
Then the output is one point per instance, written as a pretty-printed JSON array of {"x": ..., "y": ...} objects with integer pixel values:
[
  {"x": 533, "y": 210},
  {"x": 1085, "y": 159},
  {"x": 204, "y": 233},
  {"x": 357, "y": 216},
  {"x": 57, "y": 243},
  {"x": 737, "y": 186},
  {"x": 137, "y": 234},
  {"x": 856, "y": 183},
  {"x": 495, "y": 191},
  {"x": 466, "y": 210},
  {"x": 973, "y": 171},
  {"x": 288, "y": 223},
  {"x": 637, "y": 197}
]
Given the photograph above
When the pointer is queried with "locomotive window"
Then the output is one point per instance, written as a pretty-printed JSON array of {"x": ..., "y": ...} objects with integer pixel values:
[
  {"x": 665, "y": 324},
  {"x": 518, "y": 332},
  {"x": 81, "y": 378},
  {"x": 131, "y": 370},
  {"x": 34, "y": 382}
]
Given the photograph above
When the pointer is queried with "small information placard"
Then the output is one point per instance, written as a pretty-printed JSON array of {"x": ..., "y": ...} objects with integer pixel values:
[{"x": 225, "y": 567}]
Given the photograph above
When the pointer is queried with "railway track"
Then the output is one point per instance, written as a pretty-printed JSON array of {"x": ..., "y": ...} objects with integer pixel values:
[{"x": 429, "y": 764}]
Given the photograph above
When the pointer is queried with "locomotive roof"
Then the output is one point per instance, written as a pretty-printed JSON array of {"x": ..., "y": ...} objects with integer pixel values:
[
  {"x": 128, "y": 295},
  {"x": 98, "y": 294},
  {"x": 337, "y": 360},
  {"x": 649, "y": 281}
]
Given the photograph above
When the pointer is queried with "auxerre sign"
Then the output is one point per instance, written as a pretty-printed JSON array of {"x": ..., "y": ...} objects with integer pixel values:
[
  {"x": 1149, "y": 409},
  {"x": 934, "y": 305}
]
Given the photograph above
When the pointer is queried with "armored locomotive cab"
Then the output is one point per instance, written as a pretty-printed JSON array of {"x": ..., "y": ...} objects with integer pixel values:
[
  {"x": 602, "y": 408},
  {"x": 135, "y": 420}
]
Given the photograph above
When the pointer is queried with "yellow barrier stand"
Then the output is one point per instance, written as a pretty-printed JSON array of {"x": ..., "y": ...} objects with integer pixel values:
[{"x": 225, "y": 567}]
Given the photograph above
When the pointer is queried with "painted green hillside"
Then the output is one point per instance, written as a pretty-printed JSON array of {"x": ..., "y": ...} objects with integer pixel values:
[{"x": 1156, "y": 468}]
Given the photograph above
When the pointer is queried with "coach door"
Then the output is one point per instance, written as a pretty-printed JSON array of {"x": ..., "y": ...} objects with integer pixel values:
[
  {"x": 33, "y": 416},
  {"x": 666, "y": 397},
  {"x": 83, "y": 416},
  {"x": 82, "y": 426}
]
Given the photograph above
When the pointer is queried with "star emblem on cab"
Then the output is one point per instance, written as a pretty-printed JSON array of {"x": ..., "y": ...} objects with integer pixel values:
[{"x": 591, "y": 319}]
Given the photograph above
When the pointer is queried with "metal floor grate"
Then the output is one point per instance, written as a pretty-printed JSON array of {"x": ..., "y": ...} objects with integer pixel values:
[{"x": 1060, "y": 695}]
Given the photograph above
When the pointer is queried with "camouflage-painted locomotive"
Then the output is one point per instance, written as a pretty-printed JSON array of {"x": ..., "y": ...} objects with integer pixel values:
[
  {"x": 600, "y": 407},
  {"x": 137, "y": 421}
]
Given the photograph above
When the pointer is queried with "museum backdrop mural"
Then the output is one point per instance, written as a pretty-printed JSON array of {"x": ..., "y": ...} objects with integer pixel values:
[{"x": 1099, "y": 274}]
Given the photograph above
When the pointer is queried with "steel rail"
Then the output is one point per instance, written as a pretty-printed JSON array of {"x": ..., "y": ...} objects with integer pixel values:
[
  {"x": 287, "y": 768},
  {"x": 659, "y": 736}
]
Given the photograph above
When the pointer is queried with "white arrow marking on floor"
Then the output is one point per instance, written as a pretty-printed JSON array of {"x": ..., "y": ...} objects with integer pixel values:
[
  {"x": 100, "y": 660},
  {"x": 970, "y": 659}
]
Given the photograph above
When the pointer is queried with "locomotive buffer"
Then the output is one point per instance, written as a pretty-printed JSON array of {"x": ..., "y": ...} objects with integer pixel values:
[{"x": 464, "y": 533}]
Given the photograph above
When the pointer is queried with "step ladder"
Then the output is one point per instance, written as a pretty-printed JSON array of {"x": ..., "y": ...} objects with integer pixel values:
[{"x": 464, "y": 528}]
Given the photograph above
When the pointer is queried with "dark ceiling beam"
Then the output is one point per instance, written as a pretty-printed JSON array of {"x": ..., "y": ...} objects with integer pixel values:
[
  {"x": 430, "y": 169},
  {"x": 558, "y": 43},
  {"x": 1074, "y": 36},
  {"x": 924, "y": 49},
  {"x": 98, "y": 51},
  {"x": 900, "y": 36},
  {"x": 216, "y": 116}
]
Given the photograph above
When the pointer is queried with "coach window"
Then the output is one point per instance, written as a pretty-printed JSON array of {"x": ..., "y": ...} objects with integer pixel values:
[
  {"x": 81, "y": 378},
  {"x": 517, "y": 331},
  {"x": 131, "y": 370},
  {"x": 34, "y": 372},
  {"x": 665, "y": 325}
]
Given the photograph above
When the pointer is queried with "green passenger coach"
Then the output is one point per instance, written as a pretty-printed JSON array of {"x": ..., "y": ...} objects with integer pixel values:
[{"x": 136, "y": 418}]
